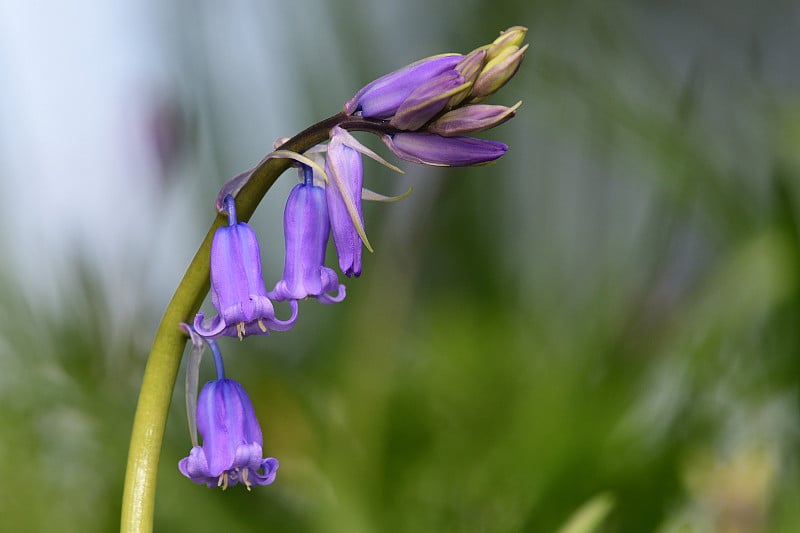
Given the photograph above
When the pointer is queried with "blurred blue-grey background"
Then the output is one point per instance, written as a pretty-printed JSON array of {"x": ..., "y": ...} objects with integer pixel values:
[{"x": 601, "y": 331}]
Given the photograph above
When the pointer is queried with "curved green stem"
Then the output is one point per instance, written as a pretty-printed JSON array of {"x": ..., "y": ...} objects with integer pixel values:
[{"x": 138, "y": 499}]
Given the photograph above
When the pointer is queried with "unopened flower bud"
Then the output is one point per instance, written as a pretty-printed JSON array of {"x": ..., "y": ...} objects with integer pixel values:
[
  {"x": 343, "y": 195},
  {"x": 510, "y": 38},
  {"x": 428, "y": 100},
  {"x": 382, "y": 97},
  {"x": 472, "y": 119},
  {"x": 469, "y": 67},
  {"x": 472, "y": 64},
  {"x": 432, "y": 149},
  {"x": 497, "y": 72}
]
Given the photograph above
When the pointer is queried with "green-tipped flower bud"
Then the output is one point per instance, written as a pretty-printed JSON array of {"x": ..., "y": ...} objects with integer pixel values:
[
  {"x": 469, "y": 68},
  {"x": 497, "y": 72},
  {"x": 472, "y": 64},
  {"x": 510, "y": 38}
]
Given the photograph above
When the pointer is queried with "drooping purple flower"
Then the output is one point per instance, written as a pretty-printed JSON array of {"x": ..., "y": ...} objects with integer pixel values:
[
  {"x": 345, "y": 169},
  {"x": 432, "y": 149},
  {"x": 231, "y": 451},
  {"x": 382, "y": 97},
  {"x": 237, "y": 288},
  {"x": 306, "y": 228}
]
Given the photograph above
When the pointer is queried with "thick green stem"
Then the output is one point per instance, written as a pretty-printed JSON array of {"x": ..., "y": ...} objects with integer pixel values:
[{"x": 138, "y": 499}]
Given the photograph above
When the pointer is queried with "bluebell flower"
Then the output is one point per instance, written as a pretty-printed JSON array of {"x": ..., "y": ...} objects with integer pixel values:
[
  {"x": 306, "y": 228},
  {"x": 231, "y": 451},
  {"x": 237, "y": 288}
]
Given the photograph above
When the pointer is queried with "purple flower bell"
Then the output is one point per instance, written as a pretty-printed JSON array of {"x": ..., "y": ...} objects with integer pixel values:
[
  {"x": 231, "y": 452},
  {"x": 306, "y": 229},
  {"x": 343, "y": 195},
  {"x": 237, "y": 288}
]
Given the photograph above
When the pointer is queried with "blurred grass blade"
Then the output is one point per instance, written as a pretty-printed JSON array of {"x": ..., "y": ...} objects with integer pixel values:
[{"x": 590, "y": 515}]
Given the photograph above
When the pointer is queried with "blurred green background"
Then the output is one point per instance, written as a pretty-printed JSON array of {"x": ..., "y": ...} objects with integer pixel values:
[{"x": 600, "y": 332}]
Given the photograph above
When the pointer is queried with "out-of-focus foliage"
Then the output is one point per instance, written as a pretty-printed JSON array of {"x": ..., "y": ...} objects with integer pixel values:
[{"x": 600, "y": 332}]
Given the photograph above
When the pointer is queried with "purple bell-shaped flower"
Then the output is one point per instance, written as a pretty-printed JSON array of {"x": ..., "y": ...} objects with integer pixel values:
[
  {"x": 237, "y": 288},
  {"x": 306, "y": 228},
  {"x": 231, "y": 452}
]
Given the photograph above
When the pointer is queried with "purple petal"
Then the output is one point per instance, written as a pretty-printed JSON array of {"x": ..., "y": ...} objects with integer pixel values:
[
  {"x": 195, "y": 467},
  {"x": 269, "y": 468}
]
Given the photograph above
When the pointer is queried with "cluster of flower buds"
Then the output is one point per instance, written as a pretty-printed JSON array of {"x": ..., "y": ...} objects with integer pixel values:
[
  {"x": 423, "y": 113},
  {"x": 440, "y": 96}
]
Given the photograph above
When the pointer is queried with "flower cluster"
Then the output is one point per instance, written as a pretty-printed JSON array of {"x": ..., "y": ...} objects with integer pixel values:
[
  {"x": 424, "y": 113},
  {"x": 439, "y": 97}
]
